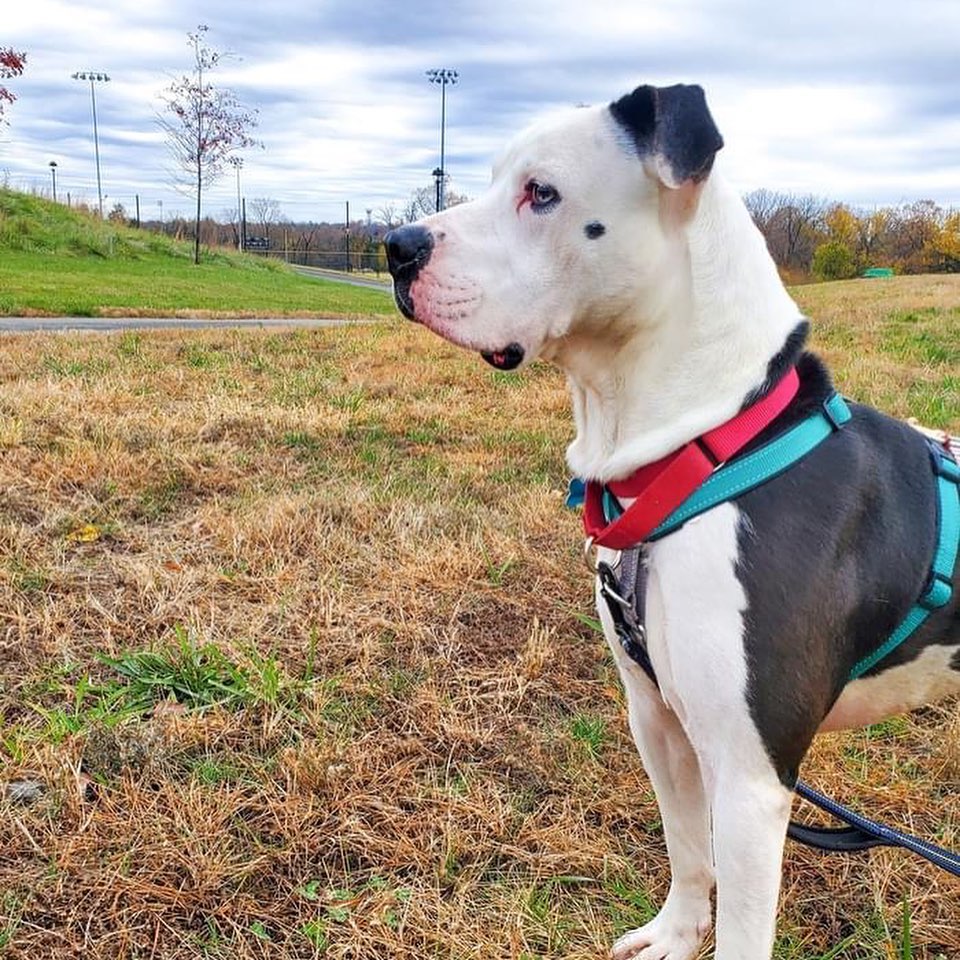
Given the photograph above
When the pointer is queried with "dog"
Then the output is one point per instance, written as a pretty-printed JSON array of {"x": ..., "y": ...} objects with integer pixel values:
[{"x": 609, "y": 245}]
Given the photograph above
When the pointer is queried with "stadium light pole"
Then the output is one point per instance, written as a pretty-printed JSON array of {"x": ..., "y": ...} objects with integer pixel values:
[
  {"x": 237, "y": 164},
  {"x": 94, "y": 76},
  {"x": 53, "y": 176},
  {"x": 442, "y": 77}
]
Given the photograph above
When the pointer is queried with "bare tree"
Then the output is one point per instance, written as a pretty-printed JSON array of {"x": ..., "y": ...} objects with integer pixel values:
[
  {"x": 11, "y": 65},
  {"x": 912, "y": 232},
  {"x": 423, "y": 203},
  {"x": 229, "y": 217},
  {"x": 762, "y": 204},
  {"x": 206, "y": 124},
  {"x": 266, "y": 211},
  {"x": 794, "y": 230},
  {"x": 387, "y": 215}
]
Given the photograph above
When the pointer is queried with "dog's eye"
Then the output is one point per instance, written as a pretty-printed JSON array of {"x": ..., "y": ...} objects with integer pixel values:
[{"x": 542, "y": 196}]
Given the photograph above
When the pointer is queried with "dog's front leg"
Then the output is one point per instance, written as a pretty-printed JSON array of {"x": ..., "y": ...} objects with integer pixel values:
[
  {"x": 697, "y": 631},
  {"x": 671, "y": 764},
  {"x": 684, "y": 920},
  {"x": 749, "y": 828}
]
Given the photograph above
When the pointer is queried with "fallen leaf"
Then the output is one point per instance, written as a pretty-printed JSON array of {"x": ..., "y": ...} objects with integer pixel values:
[{"x": 85, "y": 534}]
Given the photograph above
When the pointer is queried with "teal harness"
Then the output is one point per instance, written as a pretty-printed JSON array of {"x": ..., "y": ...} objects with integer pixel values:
[
  {"x": 624, "y": 596},
  {"x": 733, "y": 479}
]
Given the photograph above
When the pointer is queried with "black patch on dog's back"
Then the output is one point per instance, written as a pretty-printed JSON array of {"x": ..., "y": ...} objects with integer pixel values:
[
  {"x": 781, "y": 362},
  {"x": 833, "y": 553}
]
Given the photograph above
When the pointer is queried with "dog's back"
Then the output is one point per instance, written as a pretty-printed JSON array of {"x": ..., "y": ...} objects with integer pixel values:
[{"x": 849, "y": 535}]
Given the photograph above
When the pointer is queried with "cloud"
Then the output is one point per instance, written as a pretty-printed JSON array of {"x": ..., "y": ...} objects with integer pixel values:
[{"x": 836, "y": 99}]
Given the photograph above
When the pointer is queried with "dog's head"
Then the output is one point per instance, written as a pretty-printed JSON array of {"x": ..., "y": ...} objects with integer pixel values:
[{"x": 580, "y": 220}]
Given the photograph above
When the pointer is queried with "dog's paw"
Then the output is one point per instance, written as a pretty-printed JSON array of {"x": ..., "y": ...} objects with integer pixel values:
[{"x": 667, "y": 937}]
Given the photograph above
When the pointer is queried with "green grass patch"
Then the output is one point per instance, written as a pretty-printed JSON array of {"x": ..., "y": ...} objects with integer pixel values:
[
  {"x": 923, "y": 336},
  {"x": 158, "y": 285},
  {"x": 56, "y": 261},
  {"x": 196, "y": 675}
]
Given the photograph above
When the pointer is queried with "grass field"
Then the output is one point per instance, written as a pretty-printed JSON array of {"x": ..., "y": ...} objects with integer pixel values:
[
  {"x": 297, "y": 659},
  {"x": 55, "y": 261},
  {"x": 38, "y": 284}
]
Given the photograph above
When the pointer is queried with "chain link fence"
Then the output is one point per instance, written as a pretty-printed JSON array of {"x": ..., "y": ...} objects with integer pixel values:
[{"x": 355, "y": 261}]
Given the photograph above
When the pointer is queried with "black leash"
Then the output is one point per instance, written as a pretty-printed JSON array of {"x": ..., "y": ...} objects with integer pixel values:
[
  {"x": 863, "y": 833},
  {"x": 625, "y": 596}
]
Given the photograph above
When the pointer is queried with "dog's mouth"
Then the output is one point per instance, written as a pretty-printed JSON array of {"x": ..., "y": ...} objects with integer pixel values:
[
  {"x": 401, "y": 295},
  {"x": 509, "y": 358}
]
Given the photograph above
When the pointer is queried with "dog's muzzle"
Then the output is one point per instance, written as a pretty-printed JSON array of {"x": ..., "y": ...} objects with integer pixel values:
[{"x": 408, "y": 249}]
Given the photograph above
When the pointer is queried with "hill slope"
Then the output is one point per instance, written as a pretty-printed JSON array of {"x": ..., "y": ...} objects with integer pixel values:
[{"x": 60, "y": 261}]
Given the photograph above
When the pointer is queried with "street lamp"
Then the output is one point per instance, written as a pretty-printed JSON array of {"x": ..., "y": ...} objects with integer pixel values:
[
  {"x": 237, "y": 163},
  {"x": 442, "y": 77},
  {"x": 94, "y": 76},
  {"x": 53, "y": 175}
]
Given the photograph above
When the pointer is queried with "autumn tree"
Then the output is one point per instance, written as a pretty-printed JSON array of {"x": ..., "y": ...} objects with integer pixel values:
[
  {"x": 945, "y": 246},
  {"x": 12, "y": 63},
  {"x": 833, "y": 260},
  {"x": 872, "y": 231},
  {"x": 204, "y": 124}
]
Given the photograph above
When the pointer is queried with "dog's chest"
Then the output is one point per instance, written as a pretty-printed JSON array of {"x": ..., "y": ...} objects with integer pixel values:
[{"x": 695, "y": 628}]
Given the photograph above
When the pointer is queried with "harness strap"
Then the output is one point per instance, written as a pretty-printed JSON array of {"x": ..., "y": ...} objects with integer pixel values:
[
  {"x": 626, "y": 599},
  {"x": 763, "y": 464},
  {"x": 939, "y": 588},
  {"x": 625, "y": 594},
  {"x": 770, "y": 460},
  {"x": 659, "y": 488}
]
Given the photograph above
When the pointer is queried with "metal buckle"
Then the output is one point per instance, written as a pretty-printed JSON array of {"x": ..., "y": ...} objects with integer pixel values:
[
  {"x": 589, "y": 558},
  {"x": 611, "y": 594}
]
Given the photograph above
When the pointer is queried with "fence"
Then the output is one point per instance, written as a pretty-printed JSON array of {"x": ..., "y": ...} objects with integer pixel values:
[{"x": 354, "y": 262}]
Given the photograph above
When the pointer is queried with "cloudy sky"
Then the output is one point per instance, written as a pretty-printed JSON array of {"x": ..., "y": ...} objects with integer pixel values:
[{"x": 853, "y": 100}]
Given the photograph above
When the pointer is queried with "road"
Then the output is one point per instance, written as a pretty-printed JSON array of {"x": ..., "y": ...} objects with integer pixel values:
[
  {"x": 340, "y": 277},
  {"x": 101, "y": 324}
]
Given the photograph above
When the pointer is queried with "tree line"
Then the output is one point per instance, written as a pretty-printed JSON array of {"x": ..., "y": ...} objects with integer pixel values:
[
  {"x": 810, "y": 236},
  {"x": 807, "y": 235}
]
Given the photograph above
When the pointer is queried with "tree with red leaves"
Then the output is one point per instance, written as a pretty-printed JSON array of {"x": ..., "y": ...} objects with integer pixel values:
[
  {"x": 11, "y": 65},
  {"x": 204, "y": 125}
]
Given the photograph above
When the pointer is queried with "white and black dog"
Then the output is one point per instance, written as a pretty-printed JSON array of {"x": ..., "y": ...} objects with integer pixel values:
[{"x": 607, "y": 245}]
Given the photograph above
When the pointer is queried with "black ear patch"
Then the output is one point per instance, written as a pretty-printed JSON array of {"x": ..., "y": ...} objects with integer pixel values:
[{"x": 674, "y": 125}]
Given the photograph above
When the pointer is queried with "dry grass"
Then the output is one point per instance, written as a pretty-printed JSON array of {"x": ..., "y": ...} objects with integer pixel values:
[{"x": 423, "y": 750}]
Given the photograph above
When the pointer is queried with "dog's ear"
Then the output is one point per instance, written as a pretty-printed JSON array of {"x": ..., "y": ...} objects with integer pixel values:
[{"x": 672, "y": 127}]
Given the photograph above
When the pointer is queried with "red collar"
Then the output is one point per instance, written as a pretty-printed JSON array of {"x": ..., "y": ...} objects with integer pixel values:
[{"x": 660, "y": 487}]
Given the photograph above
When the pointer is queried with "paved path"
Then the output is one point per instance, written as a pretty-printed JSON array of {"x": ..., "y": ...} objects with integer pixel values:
[
  {"x": 342, "y": 277},
  {"x": 101, "y": 324}
]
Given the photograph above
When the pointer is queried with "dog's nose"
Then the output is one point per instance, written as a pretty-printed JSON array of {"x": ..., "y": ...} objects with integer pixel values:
[{"x": 408, "y": 249}]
